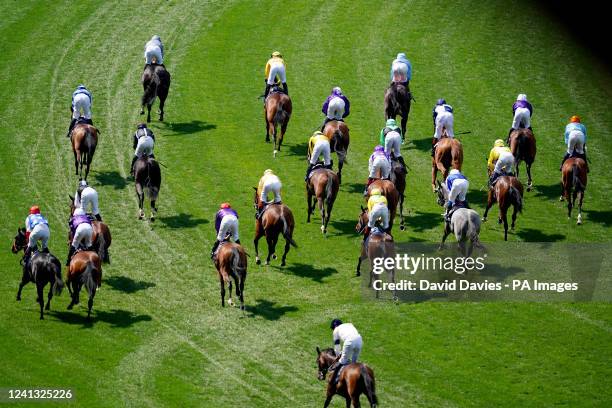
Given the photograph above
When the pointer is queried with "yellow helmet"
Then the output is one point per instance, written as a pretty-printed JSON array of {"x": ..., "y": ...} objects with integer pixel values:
[
  {"x": 268, "y": 171},
  {"x": 277, "y": 54},
  {"x": 499, "y": 143},
  {"x": 375, "y": 191},
  {"x": 317, "y": 133}
]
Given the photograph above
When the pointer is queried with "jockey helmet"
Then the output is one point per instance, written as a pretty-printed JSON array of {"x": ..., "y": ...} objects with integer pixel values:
[
  {"x": 335, "y": 323},
  {"x": 317, "y": 133},
  {"x": 81, "y": 86},
  {"x": 225, "y": 205},
  {"x": 499, "y": 143},
  {"x": 379, "y": 148},
  {"x": 401, "y": 55},
  {"x": 575, "y": 119},
  {"x": 268, "y": 171},
  {"x": 375, "y": 191},
  {"x": 79, "y": 211},
  {"x": 142, "y": 126},
  {"x": 336, "y": 90},
  {"x": 34, "y": 210},
  {"x": 156, "y": 37},
  {"x": 277, "y": 54},
  {"x": 522, "y": 97},
  {"x": 83, "y": 183},
  {"x": 391, "y": 122},
  {"x": 454, "y": 171},
  {"x": 441, "y": 101}
]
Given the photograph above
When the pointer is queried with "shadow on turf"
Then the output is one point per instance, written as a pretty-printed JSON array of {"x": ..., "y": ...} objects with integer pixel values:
[
  {"x": 296, "y": 149},
  {"x": 268, "y": 310},
  {"x": 187, "y": 128},
  {"x": 182, "y": 220},
  {"x": 601, "y": 217},
  {"x": 353, "y": 188},
  {"x": 309, "y": 271},
  {"x": 117, "y": 318},
  {"x": 346, "y": 227},
  {"x": 127, "y": 285},
  {"x": 551, "y": 192},
  {"x": 419, "y": 221},
  {"x": 422, "y": 144},
  {"x": 110, "y": 178},
  {"x": 534, "y": 235}
]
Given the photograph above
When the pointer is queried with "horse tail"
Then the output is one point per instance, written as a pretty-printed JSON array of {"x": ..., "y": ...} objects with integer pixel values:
[
  {"x": 576, "y": 182},
  {"x": 329, "y": 190},
  {"x": 58, "y": 285},
  {"x": 370, "y": 386},
  {"x": 516, "y": 196},
  {"x": 101, "y": 243},
  {"x": 286, "y": 231},
  {"x": 280, "y": 115},
  {"x": 237, "y": 270},
  {"x": 150, "y": 91},
  {"x": 456, "y": 155},
  {"x": 87, "y": 279}
]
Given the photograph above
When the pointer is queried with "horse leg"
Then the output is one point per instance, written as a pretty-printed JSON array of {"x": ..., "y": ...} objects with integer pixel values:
[
  {"x": 404, "y": 121},
  {"x": 434, "y": 173},
  {"x": 283, "y": 129},
  {"x": 149, "y": 112},
  {"x": 87, "y": 164},
  {"x": 490, "y": 202},
  {"x": 340, "y": 165},
  {"x": 256, "y": 243},
  {"x": 76, "y": 162},
  {"x": 504, "y": 219},
  {"x": 50, "y": 295},
  {"x": 327, "y": 401},
  {"x": 322, "y": 211},
  {"x": 287, "y": 247},
  {"x": 140, "y": 195},
  {"x": 41, "y": 297},
  {"x": 401, "y": 203},
  {"x": 518, "y": 163},
  {"x": 570, "y": 203},
  {"x": 310, "y": 204},
  {"x": 25, "y": 278},
  {"x": 242, "y": 279},
  {"x": 222, "y": 286},
  {"x": 444, "y": 236},
  {"x": 270, "y": 243},
  {"x": 153, "y": 210},
  {"x": 229, "y": 300},
  {"x": 579, "y": 221},
  {"x": 514, "y": 214},
  {"x": 330, "y": 206},
  {"x": 161, "y": 109},
  {"x": 90, "y": 304},
  {"x": 73, "y": 294},
  {"x": 529, "y": 181}
]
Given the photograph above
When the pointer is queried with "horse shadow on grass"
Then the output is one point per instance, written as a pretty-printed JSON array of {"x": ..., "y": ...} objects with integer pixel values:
[
  {"x": 268, "y": 310},
  {"x": 127, "y": 285},
  {"x": 346, "y": 227},
  {"x": 110, "y": 178},
  {"x": 188, "y": 128},
  {"x": 353, "y": 188},
  {"x": 420, "y": 221},
  {"x": 551, "y": 192},
  {"x": 601, "y": 217},
  {"x": 296, "y": 149},
  {"x": 117, "y": 318},
  {"x": 422, "y": 144},
  {"x": 309, "y": 271},
  {"x": 182, "y": 220},
  {"x": 534, "y": 235}
]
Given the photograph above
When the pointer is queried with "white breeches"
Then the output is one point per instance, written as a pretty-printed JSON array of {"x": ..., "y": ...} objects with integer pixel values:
[
  {"x": 393, "y": 141},
  {"x": 350, "y": 350},
  {"x": 522, "y": 118},
  {"x": 271, "y": 187},
  {"x": 400, "y": 72},
  {"x": 153, "y": 51},
  {"x": 458, "y": 190},
  {"x": 229, "y": 225},
  {"x": 576, "y": 141},
  {"x": 381, "y": 211},
  {"x": 321, "y": 148},
  {"x": 335, "y": 108},
  {"x": 39, "y": 233},
  {"x": 89, "y": 195},
  {"x": 382, "y": 164},
  {"x": 444, "y": 120},
  {"x": 81, "y": 103},
  {"x": 504, "y": 163},
  {"x": 277, "y": 70},
  {"x": 83, "y": 236},
  {"x": 144, "y": 147}
]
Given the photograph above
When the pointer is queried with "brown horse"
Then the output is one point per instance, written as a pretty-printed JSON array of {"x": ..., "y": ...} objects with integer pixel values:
[
  {"x": 324, "y": 185},
  {"x": 573, "y": 182},
  {"x": 147, "y": 178},
  {"x": 277, "y": 111},
  {"x": 448, "y": 155},
  {"x": 523, "y": 147},
  {"x": 397, "y": 102},
  {"x": 354, "y": 380},
  {"x": 156, "y": 84},
  {"x": 275, "y": 220},
  {"x": 85, "y": 270},
  {"x": 101, "y": 238},
  {"x": 390, "y": 192},
  {"x": 84, "y": 140},
  {"x": 339, "y": 139},
  {"x": 398, "y": 178},
  {"x": 507, "y": 191},
  {"x": 231, "y": 262}
]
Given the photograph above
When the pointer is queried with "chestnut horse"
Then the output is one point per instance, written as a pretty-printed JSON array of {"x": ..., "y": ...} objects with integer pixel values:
[
  {"x": 397, "y": 102},
  {"x": 324, "y": 185},
  {"x": 338, "y": 134},
  {"x": 354, "y": 380},
  {"x": 156, "y": 84},
  {"x": 573, "y": 182},
  {"x": 523, "y": 147},
  {"x": 276, "y": 219},
  {"x": 84, "y": 140},
  {"x": 448, "y": 155},
  {"x": 231, "y": 262},
  {"x": 390, "y": 192},
  {"x": 101, "y": 237},
  {"x": 85, "y": 270},
  {"x": 507, "y": 191},
  {"x": 277, "y": 111}
]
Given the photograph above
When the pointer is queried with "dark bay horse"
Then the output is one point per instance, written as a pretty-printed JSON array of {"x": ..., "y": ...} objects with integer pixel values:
[
  {"x": 44, "y": 268},
  {"x": 523, "y": 147},
  {"x": 84, "y": 140},
  {"x": 101, "y": 238},
  {"x": 448, "y": 155},
  {"x": 397, "y": 102},
  {"x": 276, "y": 219},
  {"x": 85, "y": 270},
  {"x": 231, "y": 262},
  {"x": 573, "y": 182},
  {"x": 398, "y": 178},
  {"x": 339, "y": 139},
  {"x": 156, "y": 84},
  {"x": 324, "y": 185},
  {"x": 354, "y": 380},
  {"x": 277, "y": 112},
  {"x": 147, "y": 178},
  {"x": 390, "y": 192},
  {"x": 508, "y": 191}
]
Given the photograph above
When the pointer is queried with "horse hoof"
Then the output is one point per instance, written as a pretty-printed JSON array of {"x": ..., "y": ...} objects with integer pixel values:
[
  {"x": 242, "y": 307},
  {"x": 484, "y": 219},
  {"x": 358, "y": 273},
  {"x": 323, "y": 230},
  {"x": 275, "y": 152},
  {"x": 579, "y": 222},
  {"x": 42, "y": 318},
  {"x": 69, "y": 307},
  {"x": 402, "y": 227},
  {"x": 267, "y": 263},
  {"x": 18, "y": 298},
  {"x": 499, "y": 221},
  {"x": 230, "y": 302},
  {"x": 274, "y": 257},
  {"x": 283, "y": 263},
  {"x": 258, "y": 261},
  {"x": 561, "y": 198},
  {"x": 152, "y": 218},
  {"x": 142, "y": 112}
]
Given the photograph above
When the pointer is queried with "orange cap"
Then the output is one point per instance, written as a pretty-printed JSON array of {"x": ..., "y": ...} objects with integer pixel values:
[
  {"x": 575, "y": 119},
  {"x": 225, "y": 205},
  {"x": 34, "y": 210}
]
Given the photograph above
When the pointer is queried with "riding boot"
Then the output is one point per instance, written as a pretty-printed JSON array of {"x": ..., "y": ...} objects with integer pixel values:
[
  {"x": 493, "y": 179},
  {"x": 267, "y": 91},
  {"x": 237, "y": 242},
  {"x": 567, "y": 155},
  {"x": 72, "y": 123},
  {"x": 337, "y": 370},
  {"x": 132, "y": 165},
  {"x": 98, "y": 217},
  {"x": 71, "y": 252},
  {"x": 285, "y": 88},
  {"x": 27, "y": 255},
  {"x": 214, "y": 249},
  {"x": 45, "y": 250},
  {"x": 330, "y": 165},
  {"x": 310, "y": 166}
]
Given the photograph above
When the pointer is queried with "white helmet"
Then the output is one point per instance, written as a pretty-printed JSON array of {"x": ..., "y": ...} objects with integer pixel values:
[
  {"x": 522, "y": 97},
  {"x": 401, "y": 55},
  {"x": 83, "y": 183},
  {"x": 79, "y": 211},
  {"x": 337, "y": 89}
]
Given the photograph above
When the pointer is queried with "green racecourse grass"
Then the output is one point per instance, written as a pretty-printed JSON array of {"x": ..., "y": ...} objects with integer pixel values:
[{"x": 160, "y": 337}]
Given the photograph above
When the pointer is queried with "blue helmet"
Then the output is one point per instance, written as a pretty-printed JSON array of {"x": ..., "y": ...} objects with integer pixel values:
[
  {"x": 335, "y": 323},
  {"x": 441, "y": 101}
]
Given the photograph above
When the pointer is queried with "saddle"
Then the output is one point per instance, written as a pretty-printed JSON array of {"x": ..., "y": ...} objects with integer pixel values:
[{"x": 82, "y": 120}]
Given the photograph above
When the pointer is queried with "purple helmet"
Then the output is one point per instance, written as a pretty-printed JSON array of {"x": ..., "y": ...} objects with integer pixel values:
[
  {"x": 441, "y": 101},
  {"x": 379, "y": 148}
]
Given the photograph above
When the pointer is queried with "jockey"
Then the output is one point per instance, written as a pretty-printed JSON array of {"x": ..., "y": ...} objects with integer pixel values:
[
  {"x": 457, "y": 185},
  {"x": 81, "y": 101},
  {"x": 275, "y": 67},
  {"x": 154, "y": 49},
  {"x": 84, "y": 195},
  {"x": 335, "y": 107},
  {"x": 391, "y": 137},
  {"x": 37, "y": 229},
  {"x": 268, "y": 183},
  {"x": 226, "y": 225},
  {"x": 575, "y": 139},
  {"x": 318, "y": 145},
  {"x": 378, "y": 161},
  {"x": 522, "y": 111},
  {"x": 442, "y": 119},
  {"x": 377, "y": 208},
  {"x": 347, "y": 344},
  {"x": 80, "y": 227},
  {"x": 401, "y": 70},
  {"x": 500, "y": 161},
  {"x": 144, "y": 142}
]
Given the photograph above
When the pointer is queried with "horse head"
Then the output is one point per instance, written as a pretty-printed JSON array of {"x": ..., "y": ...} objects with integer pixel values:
[
  {"x": 325, "y": 358},
  {"x": 441, "y": 192},
  {"x": 19, "y": 242}
]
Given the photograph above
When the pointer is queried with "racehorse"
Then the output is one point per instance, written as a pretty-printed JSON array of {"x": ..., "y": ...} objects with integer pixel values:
[
  {"x": 338, "y": 134},
  {"x": 465, "y": 224},
  {"x": 523, "y": 147},
  {"x": 275, "y": 220},
  {"x": 387, "y": 189},
  {"x": 156, "y": 84},
  {"x": 398, "y": 178},
  {"x": 84, "y": 139},
  {"x": 397, "y": 102},
  {"x": 573, "y": 182},
  {"x": 448, "y": 155},
  {"x": 324, "y": 185},
  {"x": 101, "y": 238},
  {"x": 231, "y": 262},
  {"x": 147, "y": 176},
  {"x": 507, "y": 191},
  {"x": 277, "y": 111},
  {"x": 85, "y": 270},
  {"x": 43, "y": 268},
  {"x": 354, "y": 380}
]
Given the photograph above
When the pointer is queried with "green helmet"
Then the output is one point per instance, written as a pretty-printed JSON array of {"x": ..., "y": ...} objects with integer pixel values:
[{"x": 391, "y": 122}]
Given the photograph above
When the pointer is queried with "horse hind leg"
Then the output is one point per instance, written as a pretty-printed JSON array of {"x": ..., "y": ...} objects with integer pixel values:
[
  {"x": 153, "y": 210},
  {"x": 230, "y": 301},
  {"x": 287, "y": 247},
  {"x": 161, "y": 109},
  {"x": 401, "y": 206},
  {"x": 579, "y": 221},
  {"x": 41, "y": 298},
  {"x": 322, "y": 211},
  {"x": 49, "y": 296},
  {"x": 529, "y": 180}
]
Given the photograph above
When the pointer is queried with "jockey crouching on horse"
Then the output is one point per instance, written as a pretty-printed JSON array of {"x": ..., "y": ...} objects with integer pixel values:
[
  {"x": 347, "y": 345},
  {"x": 379, "y": 161},
  {"x": 81, "y": 102},
  {"x": 522, "y": 111},
  {"x": 275, "y": 67},
  {"x": 391, "y": 137},
  {"x": 82, "y": 232},
  {"x": 154, "y": 51},
  {"x": 335, "y": 107},
  {"x": 268, "y": 183},
  {"x": 226, "y": 225},
  {"x": 575, "y": 139},
  {"x": 443, "y": 120},
  {"x": 401, "y": 70},
  {"x": 378, "y": 208},
  {"x": 37, "y": 229},
  {"x": 318, "y": 145},
  {"x": 500, "y": 163},
  {"x": 457, "y": 185},
  {"x": 144, "y": 142},
  {"x": 86, "y": 195}
]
